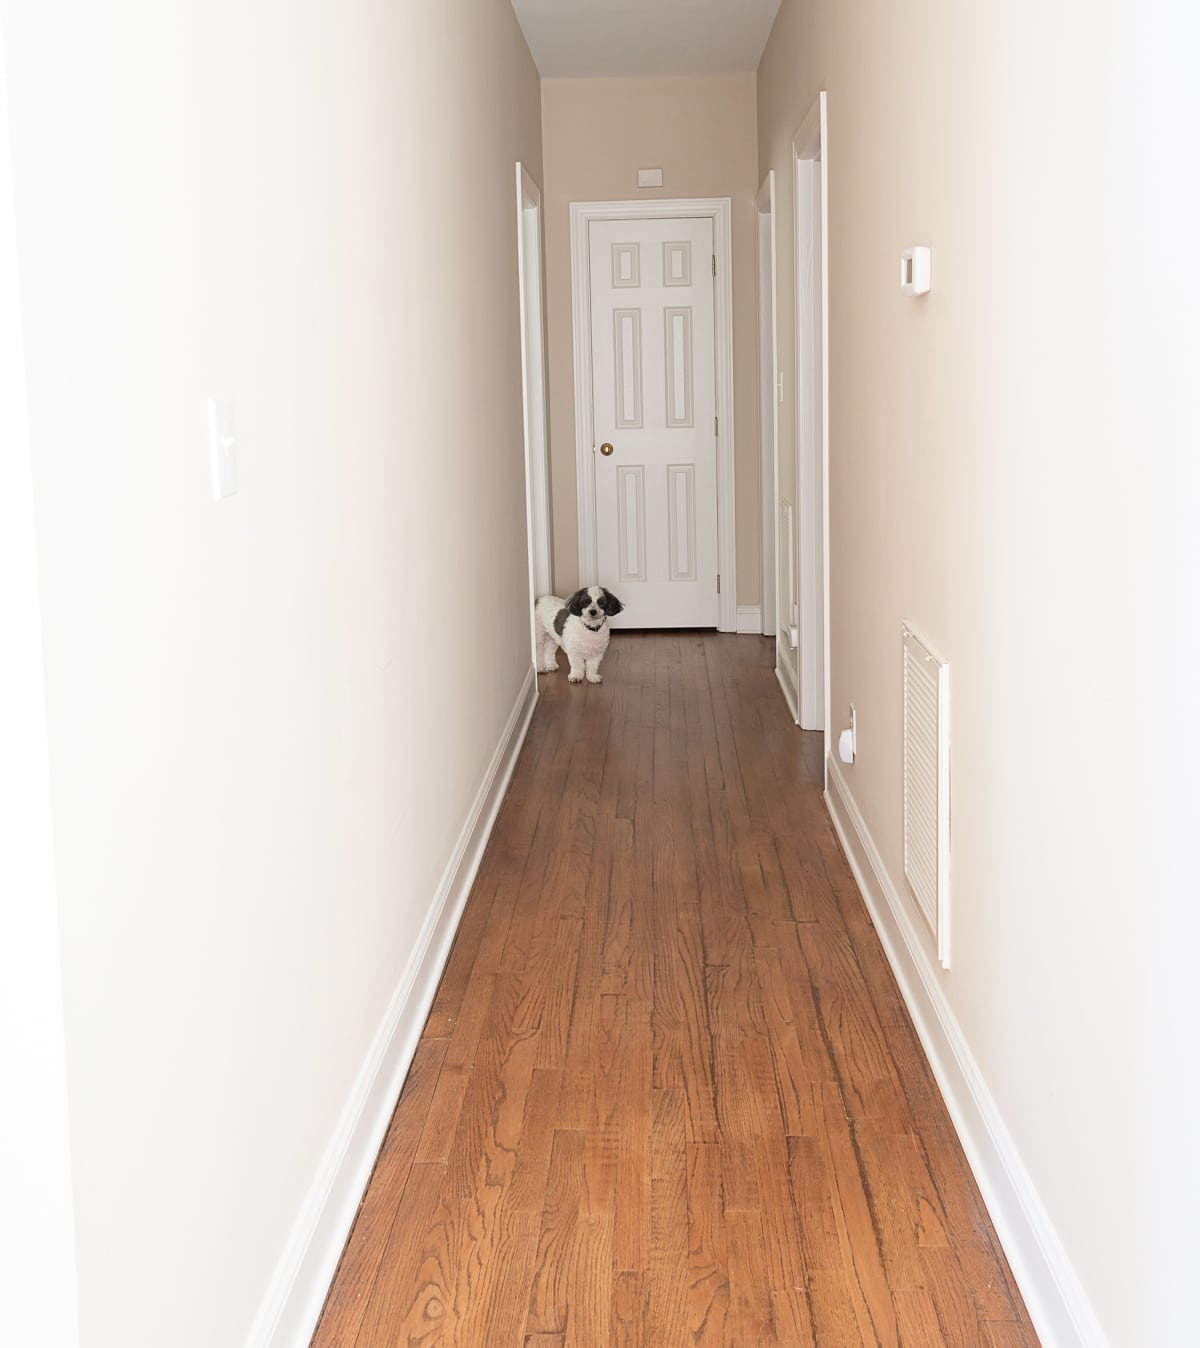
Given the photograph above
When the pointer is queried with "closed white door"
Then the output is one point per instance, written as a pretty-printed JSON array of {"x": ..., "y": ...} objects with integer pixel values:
[{"x": 654, "y": 418}]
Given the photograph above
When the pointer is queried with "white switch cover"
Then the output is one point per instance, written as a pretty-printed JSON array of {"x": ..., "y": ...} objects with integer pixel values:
[
  {"x": 222, "y": 448},
  {"x": 650, "y": 177}
]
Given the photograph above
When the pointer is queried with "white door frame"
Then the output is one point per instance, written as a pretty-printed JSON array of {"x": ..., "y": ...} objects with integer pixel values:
[
  {"x": 533, "y": 387},
  {"x": 719, "y": 211},
  {"x": 769, "y": 395},
  {"x": 37, "y": 1220},
  {"x": 810, "y": 176}
]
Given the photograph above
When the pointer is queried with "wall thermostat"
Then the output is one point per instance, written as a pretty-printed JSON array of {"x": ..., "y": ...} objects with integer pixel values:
[{"x": 915, "y": 267}]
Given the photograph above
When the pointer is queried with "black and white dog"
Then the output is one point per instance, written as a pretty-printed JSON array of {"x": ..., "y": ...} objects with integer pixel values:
[{"x": 580, "y": 626}]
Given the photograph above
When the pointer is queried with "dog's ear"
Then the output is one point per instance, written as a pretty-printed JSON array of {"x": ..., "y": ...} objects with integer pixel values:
[
  {"x": 610, "y": 603},
  {"x": 577, "y": 603}
]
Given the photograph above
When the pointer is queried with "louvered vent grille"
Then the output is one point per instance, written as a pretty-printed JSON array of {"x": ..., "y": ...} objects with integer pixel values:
[{"x": 927, "y": 787}]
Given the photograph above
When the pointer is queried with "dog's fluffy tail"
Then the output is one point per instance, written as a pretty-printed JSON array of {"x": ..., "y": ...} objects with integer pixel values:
[{"x": 547, "y": 609}]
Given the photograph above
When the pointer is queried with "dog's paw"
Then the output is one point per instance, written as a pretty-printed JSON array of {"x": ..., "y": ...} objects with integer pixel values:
[
  {"x": 595, "y": 678},
  {"x": 574, "y": 678},
  {"x": 547, "y": 669}
]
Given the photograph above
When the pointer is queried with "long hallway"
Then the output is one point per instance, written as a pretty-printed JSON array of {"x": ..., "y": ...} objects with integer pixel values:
[{"x": 668, "y": 1093}]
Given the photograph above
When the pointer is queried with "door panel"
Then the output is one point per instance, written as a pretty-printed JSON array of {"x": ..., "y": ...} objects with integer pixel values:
[{"x": 654, "y": 401}]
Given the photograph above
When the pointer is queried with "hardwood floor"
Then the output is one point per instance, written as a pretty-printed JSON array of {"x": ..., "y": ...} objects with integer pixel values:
[{"x": 668, "y": 1093}]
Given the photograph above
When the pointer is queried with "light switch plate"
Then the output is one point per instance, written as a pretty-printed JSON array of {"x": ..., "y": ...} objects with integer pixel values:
[
  {"x": 222, "y": 448},
  {"x": 650, "y": 177}
]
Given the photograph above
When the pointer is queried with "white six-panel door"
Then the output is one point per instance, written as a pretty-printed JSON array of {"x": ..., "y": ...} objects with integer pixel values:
[{"x": 654, "y": 418}]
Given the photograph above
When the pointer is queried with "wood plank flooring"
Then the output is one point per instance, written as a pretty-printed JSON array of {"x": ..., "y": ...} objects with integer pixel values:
[{"x": 668, "y": 1093}]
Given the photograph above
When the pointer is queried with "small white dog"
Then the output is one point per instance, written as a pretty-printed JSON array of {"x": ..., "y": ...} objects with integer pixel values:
[{"x": 580, "y": 626}]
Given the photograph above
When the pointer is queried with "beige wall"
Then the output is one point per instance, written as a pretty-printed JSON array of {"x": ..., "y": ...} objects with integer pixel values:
[
  {"x": 1013, "y": 469},
  {"x": 597, "y": 133},
  {"x": 264, "y": 740}
]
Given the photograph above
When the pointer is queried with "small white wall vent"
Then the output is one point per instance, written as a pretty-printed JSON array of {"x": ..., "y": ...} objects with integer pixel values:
[{"x": 927, "y": 787}]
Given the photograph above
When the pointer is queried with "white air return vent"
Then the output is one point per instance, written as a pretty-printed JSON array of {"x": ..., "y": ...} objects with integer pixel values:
[{"x": 927, "y": 787}]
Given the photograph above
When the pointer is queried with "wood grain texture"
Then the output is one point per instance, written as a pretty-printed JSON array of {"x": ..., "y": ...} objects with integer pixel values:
[{"x": 668, "y": 1093}]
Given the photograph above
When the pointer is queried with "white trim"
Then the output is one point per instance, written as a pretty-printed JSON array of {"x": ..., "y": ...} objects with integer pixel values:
[
  {"x": 787, "y": 633},
  {"x": 719, "y": 210},
  {"x": 292, "y": 1303},
  {"x": 810, "y": 169},
  {"x": 1058, "y": 1305},
  {"x": 750, "y": 619},
  {"x": 769, "y": 388},
  {"x": 533, "y": 389},
  {"x": 826, "y": 678},
  {"x": 787, "y": 678},
  {"x": 38, "y": 1281}
]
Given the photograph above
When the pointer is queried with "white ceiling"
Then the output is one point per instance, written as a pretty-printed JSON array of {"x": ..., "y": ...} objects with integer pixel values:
[{"x": 645, "y": 37}]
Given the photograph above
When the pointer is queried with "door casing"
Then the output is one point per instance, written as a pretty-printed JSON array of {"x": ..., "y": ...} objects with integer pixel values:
[
  {"x": 37, "y": 1221},
  {"x": 769, "y": 396},
  {"x": 719, "y": 210},
  {"x": 533, "y": 388},
  {"x": 811, "y": 195}
]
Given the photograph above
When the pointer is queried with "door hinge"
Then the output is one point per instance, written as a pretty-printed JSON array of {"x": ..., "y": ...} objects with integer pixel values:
[
  {"x": 714, "y": 264},
  {"x": 716, "y": 427},
  {"x": 718, "y": 582}
]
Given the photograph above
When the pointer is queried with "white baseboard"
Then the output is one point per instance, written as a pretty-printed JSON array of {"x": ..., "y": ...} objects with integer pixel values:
[
  {"x": 1059, "y": 1306},
  {"x": 749, "y": 619},
  {"x": 296, "y": 1293}
]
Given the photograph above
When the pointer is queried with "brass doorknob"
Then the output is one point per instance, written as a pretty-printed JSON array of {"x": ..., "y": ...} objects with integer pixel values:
[{"x": 606, "y": 449}]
